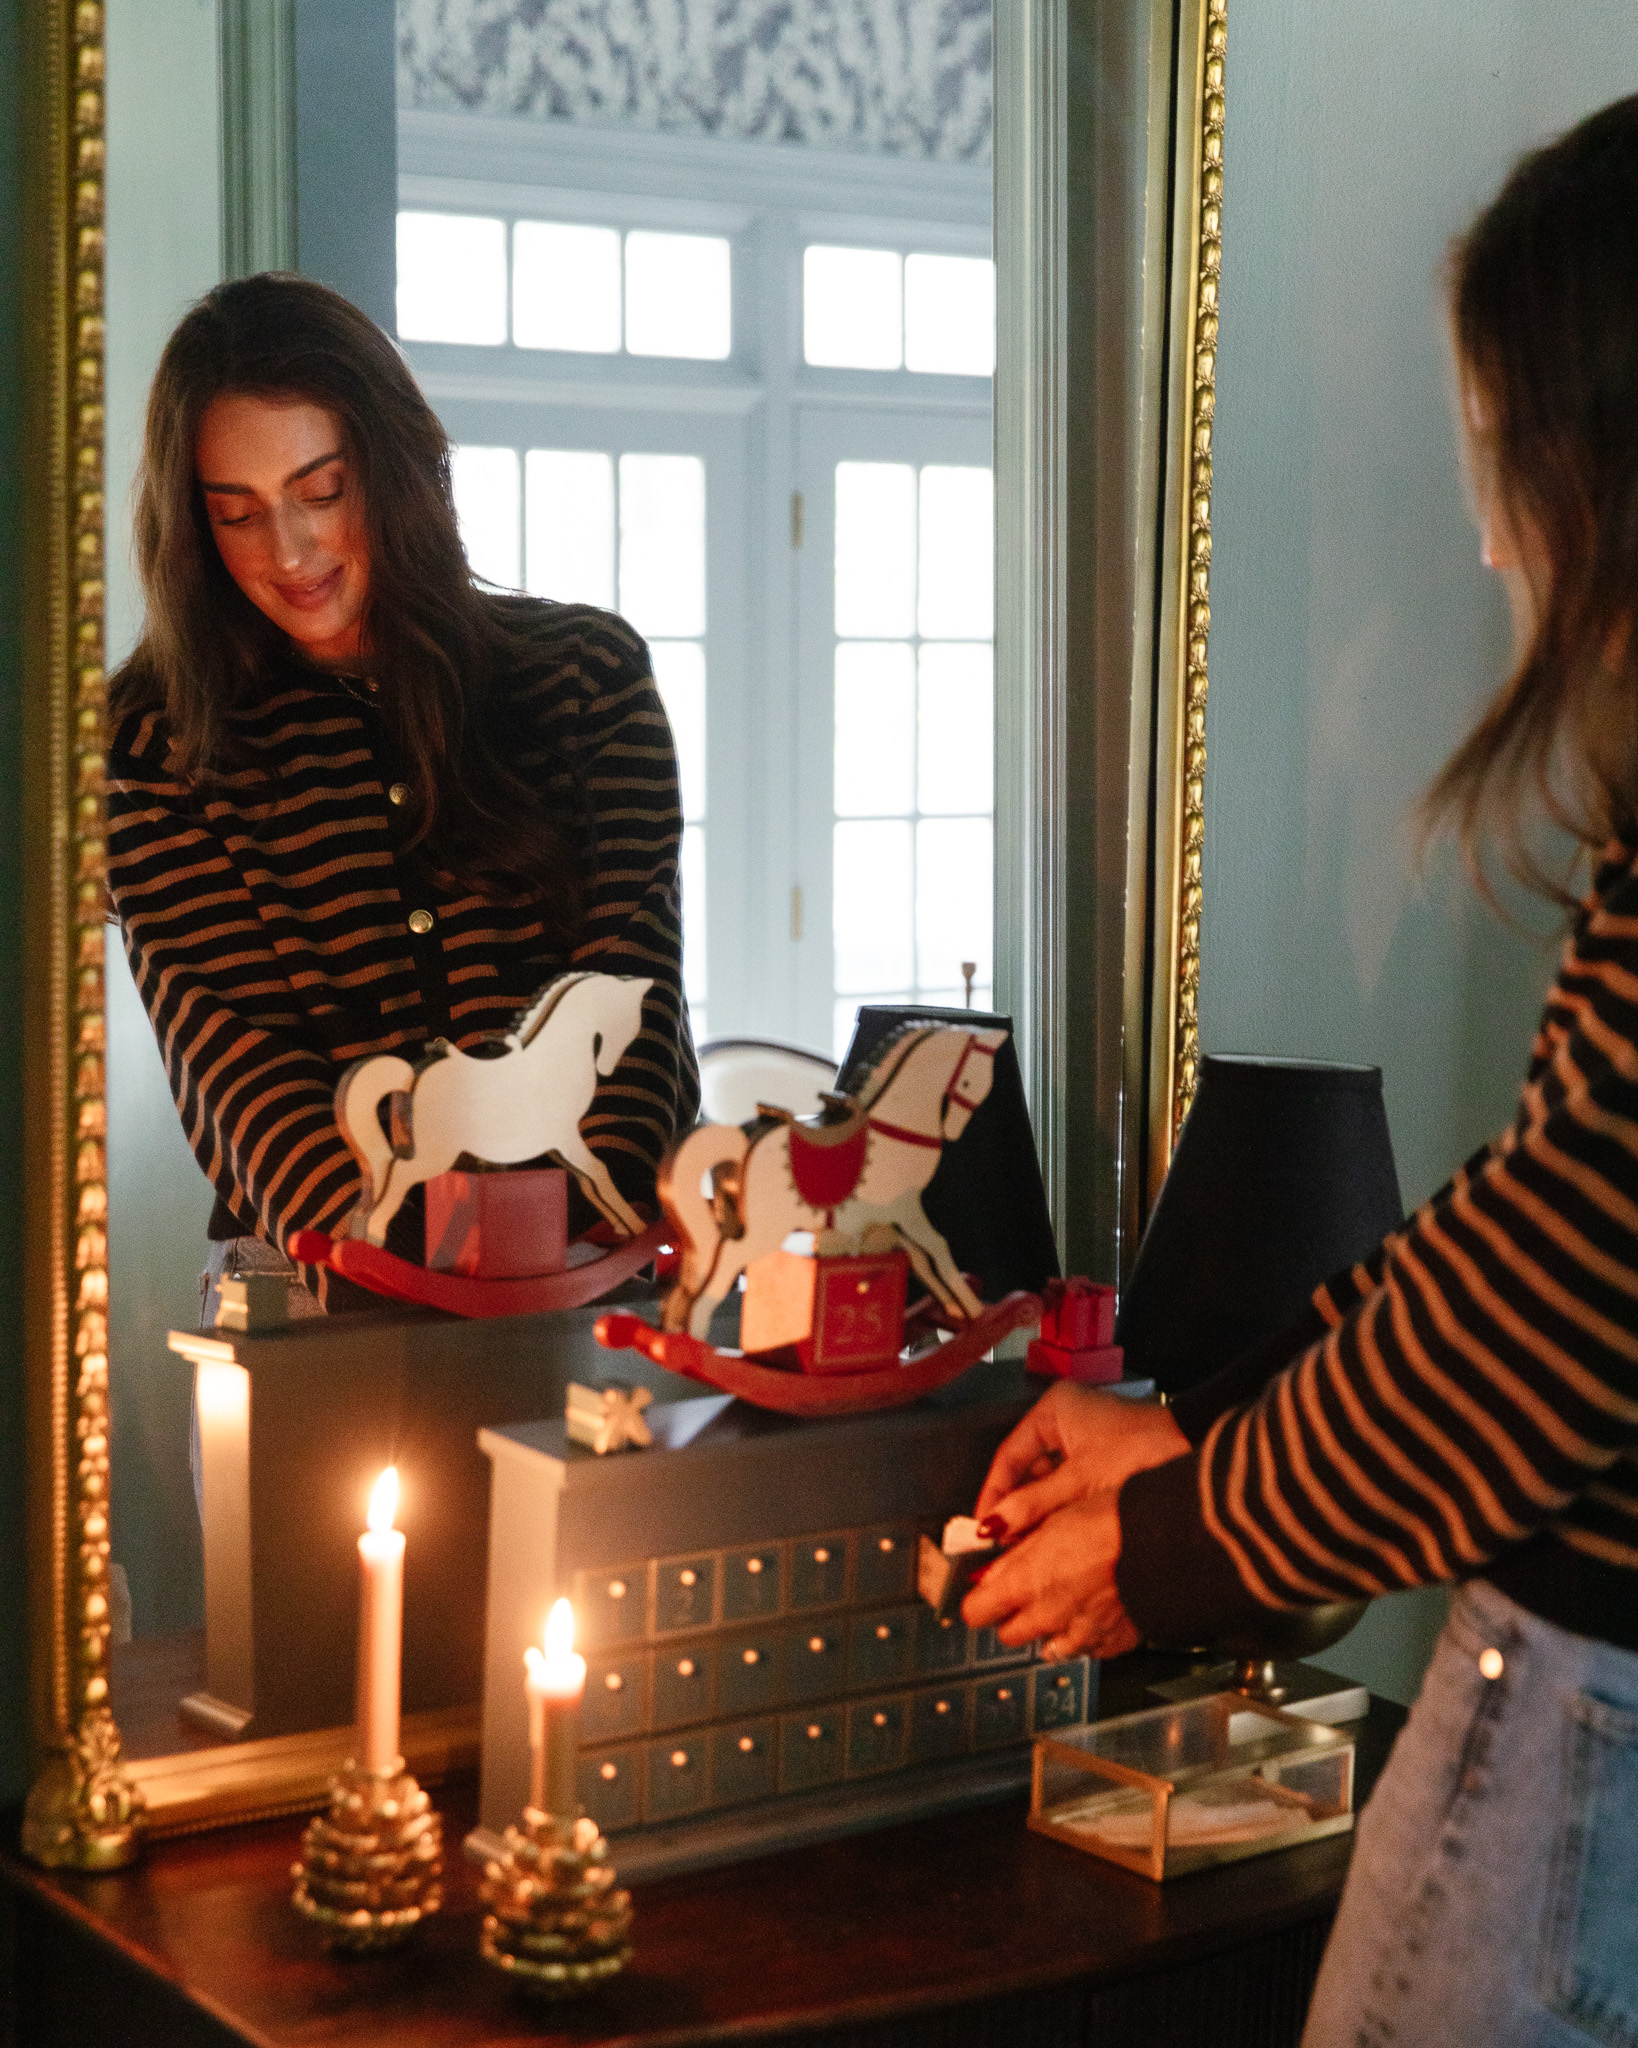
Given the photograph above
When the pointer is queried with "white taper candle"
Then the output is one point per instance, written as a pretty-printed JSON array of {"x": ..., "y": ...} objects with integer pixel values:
[
  {"x": 554, "y": 1680},
  {"x": 380, "y": 1628}
]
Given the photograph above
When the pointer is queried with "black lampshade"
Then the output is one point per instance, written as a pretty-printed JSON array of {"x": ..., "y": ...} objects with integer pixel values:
[
  {"x": 1282, "y": 1176},
  {"x": 987, "y": 1197}
]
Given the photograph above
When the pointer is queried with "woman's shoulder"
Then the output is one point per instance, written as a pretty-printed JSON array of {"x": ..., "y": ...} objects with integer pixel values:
[{"x": 575, "y": 652}]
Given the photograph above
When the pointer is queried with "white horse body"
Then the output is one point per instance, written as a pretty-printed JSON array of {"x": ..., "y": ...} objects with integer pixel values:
[
  {"x": 524, "y": 1103},
  {"x": 919, "y": 1098}
]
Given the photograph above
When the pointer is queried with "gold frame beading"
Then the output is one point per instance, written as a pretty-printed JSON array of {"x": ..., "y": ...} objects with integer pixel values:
[
  {"x": 1189, "y": 384},
  {"x": 82, "y": 1811},
  {"x": 1196, "y": 600}
]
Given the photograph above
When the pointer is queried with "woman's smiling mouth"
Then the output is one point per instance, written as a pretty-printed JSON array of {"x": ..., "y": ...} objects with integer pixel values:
[{"x": 313, "y": 595}]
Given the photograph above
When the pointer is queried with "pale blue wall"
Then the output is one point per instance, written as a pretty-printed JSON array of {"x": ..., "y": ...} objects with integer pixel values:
[{"x": 1353, "y": 629}]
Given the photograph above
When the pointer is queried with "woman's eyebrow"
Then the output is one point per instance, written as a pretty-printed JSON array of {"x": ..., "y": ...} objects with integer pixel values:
[{"x": 295, "y": 476}]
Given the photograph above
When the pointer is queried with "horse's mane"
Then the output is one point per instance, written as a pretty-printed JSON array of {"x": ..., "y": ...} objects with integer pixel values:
[
  {"x": 529, "y": 1021},
  {"x": 891, "y": 1061}
]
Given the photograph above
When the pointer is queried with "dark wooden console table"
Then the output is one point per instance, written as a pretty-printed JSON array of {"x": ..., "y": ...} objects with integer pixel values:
[{"x": 960, "y": 1932}]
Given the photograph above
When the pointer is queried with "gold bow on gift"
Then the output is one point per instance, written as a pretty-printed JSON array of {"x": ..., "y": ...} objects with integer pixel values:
[{"x": 608, "y": 1418}]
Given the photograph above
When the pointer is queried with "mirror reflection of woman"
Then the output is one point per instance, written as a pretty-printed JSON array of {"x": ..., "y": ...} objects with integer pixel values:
[
  {"x": 1463, "y": 1405},
  {"x": 358, "y": 803}
]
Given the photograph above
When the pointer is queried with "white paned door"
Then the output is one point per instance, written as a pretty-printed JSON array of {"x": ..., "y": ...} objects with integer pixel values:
[
  {"x": 895, "y": 725},
  {"x": 639, "y": 518}
]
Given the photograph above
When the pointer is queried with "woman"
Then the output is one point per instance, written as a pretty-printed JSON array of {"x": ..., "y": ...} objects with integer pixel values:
[
  {"x": 1465, "y": 1405},
  {"x": 357, "y": 804}
]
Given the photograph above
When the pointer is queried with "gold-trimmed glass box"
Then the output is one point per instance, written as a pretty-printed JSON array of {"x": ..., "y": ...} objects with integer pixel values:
[{"x": 1180, "y": 1788}]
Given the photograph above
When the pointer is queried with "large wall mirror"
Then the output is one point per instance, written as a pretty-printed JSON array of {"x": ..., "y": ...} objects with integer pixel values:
[{"x": 868, "y": 527}]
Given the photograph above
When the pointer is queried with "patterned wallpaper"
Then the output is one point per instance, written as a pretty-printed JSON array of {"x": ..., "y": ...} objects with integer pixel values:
[{"x": 902, "y": 77}]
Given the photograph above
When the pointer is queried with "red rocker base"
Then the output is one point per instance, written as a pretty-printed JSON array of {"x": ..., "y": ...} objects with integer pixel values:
[
  {"x": 834, "y": 1393},
  {"x": 368, "y": 1265}
]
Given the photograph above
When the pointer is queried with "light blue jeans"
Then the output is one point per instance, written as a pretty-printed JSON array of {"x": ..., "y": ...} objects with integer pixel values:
[{"x": 1493, "y": 1897}]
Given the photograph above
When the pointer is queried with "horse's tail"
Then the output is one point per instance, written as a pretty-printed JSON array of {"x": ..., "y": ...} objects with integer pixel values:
[
  {"x": 358, "y": 1096},
  {"x": 700, "y": 1218}
]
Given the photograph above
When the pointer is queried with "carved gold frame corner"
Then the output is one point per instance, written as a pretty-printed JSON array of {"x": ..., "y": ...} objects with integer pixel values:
[
  {"x": 1184, "y": 609},
  {"x": 82, "y": 1811}
]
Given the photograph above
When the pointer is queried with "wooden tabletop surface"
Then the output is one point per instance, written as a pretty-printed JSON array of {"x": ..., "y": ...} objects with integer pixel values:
[{"x": 913, "y": 1919}]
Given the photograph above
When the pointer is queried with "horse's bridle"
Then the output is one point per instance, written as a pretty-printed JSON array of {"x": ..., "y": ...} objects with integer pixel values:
[{"x": 936, "y": 1144}]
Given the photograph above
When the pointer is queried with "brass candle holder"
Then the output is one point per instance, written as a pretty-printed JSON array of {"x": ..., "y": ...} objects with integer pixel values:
[
  {"x": 555, "y": 1925},
  {"x": 371, "y": 1864}
]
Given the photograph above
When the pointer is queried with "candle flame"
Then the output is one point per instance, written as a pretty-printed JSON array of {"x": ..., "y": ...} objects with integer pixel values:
[
  {"x": 384, "y": 1500},
  {"x": 560, "y": 1630}
]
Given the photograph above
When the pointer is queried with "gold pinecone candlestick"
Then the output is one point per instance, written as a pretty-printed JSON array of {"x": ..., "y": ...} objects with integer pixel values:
[
  {"x": 370, "y": 1866},
  {"x": 555, "y": 1925}
]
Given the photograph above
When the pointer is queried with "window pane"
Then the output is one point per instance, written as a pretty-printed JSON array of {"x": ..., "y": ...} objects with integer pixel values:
[
  {"x": 953, "y": 899},
  {"x": 949, "y": 315},
  {"x": 678, "y": 296},
  {"x": 565, "y": 286},
  {"x": 875, "y": 729},
  {"x": 957, "y": 555},
  {"x": 955, "y": 738},
  {"x": 852, "y": 308},
  {"x": 486, "y": 505},
  {"x": 693, "y": 896},
  {"x": 451, "y": 278},
  {"x": 871, "y": 906},
  {"x": 875, "y": 550},
  {"x": 570, "y": 525},
  {"x": 662, "y": 543},
  {"x": 679, "y": 669}
]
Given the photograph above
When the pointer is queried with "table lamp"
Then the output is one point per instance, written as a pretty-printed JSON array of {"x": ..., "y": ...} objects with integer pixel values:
[{"x": 1283, "y": 1175}]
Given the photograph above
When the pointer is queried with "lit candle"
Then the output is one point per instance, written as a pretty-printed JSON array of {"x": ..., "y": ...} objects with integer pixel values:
[
  {"x": 380, "y": 1628},
  {"x": 554, "y": 1680}
]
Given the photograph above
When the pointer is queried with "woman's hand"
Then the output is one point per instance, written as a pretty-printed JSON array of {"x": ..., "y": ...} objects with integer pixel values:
[
  {"x": 1075, "y": 1443},
  {"x": 1058, "y": 1584}
]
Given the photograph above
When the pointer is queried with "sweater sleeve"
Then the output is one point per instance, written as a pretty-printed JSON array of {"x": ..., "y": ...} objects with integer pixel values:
[
  {"x": 1485, "y": 1388},
  {"x": 633, "y": 912},
  {"x": 257, "y": 1108}
]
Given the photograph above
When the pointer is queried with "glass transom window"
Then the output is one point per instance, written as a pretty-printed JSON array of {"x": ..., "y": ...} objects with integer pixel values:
[
  {"x": 583, "y": 289},
  {"x": 873, "y": 309}
]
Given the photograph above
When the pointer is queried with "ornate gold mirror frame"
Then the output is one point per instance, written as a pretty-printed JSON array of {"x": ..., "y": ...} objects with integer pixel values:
[{"x": 86, "y": 1809}]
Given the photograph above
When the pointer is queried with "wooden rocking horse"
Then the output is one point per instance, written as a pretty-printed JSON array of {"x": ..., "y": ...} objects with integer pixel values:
[
  {"x": 524, "y": 1102},
  {"x": 852, "y": 1181}
]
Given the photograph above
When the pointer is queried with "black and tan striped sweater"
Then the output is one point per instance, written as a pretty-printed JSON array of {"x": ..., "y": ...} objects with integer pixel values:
[
  {"x": 1466, "y": 1402},
  {"x": 270, "y": 924}
]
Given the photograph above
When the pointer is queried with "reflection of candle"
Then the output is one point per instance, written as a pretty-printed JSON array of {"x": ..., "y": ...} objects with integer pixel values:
[
  {"x": 554, "y": 1681},
  {"x": 380, "y": 1627}
]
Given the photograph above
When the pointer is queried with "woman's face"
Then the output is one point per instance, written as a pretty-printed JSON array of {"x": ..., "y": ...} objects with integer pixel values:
[
  {"x": 1507, "y": 543},
  {"x": 288, "y": 515}
]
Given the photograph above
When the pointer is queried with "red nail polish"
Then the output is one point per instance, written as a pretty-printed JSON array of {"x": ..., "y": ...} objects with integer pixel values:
[{"x": 991, "y": 1528}]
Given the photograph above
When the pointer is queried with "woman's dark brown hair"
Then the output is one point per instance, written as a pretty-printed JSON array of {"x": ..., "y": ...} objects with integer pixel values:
[
  {"x": 1544, "y": 304},
  {"x": 436, "y": 642}
]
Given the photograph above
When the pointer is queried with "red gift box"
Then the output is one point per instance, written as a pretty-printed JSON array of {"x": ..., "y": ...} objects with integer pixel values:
[
  {"x": 826, "y": 1315},
  {"x": 1077, "y": 1340},
  {"x": 1079, "y": 1314},
  {"x": 499, "y": 1226}
]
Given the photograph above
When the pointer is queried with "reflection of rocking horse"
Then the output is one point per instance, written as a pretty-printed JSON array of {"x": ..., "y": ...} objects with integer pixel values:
[
  {"x": 524, "y": 1103},
  {"x": 863, "y": 1171}
]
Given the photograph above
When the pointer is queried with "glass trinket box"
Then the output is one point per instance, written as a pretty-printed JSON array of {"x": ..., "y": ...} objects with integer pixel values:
[{"x": 1182, "y": 1788}]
